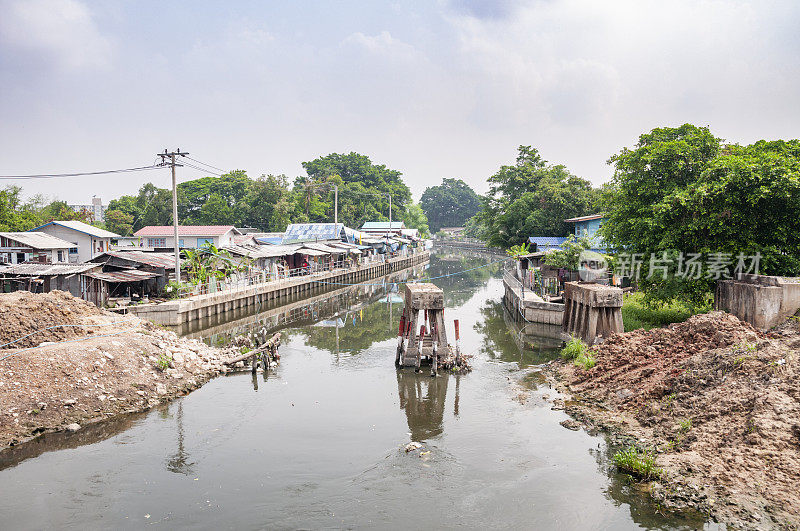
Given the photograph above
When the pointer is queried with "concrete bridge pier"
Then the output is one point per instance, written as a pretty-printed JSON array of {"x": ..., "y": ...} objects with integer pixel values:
[{"x": 592, "y": 310}]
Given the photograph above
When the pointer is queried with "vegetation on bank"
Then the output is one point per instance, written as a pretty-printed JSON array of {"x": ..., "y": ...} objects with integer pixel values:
[
  {"x": 579, "y": 353},
  {"x": 638, "y": 312},
  {"x": 638, "y": 463}
]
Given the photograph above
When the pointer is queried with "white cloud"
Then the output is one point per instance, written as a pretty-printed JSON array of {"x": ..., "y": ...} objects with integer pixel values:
[
  {"x": 383, "y": 44},
  {"x": 63, "y": 31}
]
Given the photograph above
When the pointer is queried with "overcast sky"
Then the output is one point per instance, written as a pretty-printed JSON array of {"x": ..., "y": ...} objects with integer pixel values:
[{"x": 433, "y": 89}]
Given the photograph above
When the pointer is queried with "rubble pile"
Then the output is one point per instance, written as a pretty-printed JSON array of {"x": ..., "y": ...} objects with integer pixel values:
[
  {"x": 718, "y": 401},
  {"x": 61, "y": 384},
  {"x": 40, "y": 316}
]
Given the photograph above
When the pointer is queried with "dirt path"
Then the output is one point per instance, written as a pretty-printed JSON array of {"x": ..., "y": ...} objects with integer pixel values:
[
  {"x": 719, "y": 404},
  {"x": 69, "y": 376}
]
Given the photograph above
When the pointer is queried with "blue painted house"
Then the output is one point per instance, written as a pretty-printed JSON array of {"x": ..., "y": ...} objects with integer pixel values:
[{"x": 586, "y": 225}]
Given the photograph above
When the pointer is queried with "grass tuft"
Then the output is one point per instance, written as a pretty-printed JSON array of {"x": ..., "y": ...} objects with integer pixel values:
[
  {"x": 580, "y": 354},
  {"x": 638, "y": 463},
  {"x": 574, "y": 348}
]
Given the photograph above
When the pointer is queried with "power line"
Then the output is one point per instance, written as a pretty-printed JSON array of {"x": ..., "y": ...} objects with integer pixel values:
[
  {"x": 80, "y": 174},
  {"x": 206, "y": 164},
  {"x": 205, "y": 170}
]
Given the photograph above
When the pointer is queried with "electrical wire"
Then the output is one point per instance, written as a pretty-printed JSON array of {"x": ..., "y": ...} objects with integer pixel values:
[
  {"x": 64, "y": 326},
  {"x": 412, "y": 281},
  {"x": 62, "y": 342},
  {"x": 81, "y": 174},
  {"x": 205, "y": 170},
  {"x": 204, "y": 164}
]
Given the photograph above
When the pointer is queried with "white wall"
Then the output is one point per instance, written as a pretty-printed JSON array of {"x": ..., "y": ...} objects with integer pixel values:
[{"x": 88, "y": 246}]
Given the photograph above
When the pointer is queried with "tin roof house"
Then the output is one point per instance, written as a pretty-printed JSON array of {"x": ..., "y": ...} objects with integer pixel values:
[
  {"x": 88, "y": 241},
  {"x": 19, "y": 247}
]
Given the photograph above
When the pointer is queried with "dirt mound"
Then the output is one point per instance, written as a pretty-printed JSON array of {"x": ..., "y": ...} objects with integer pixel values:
[
  {"x": 719, "y": 402},
  {"x": 29, "y": 314},
  {"x": 641, "y": 365}
]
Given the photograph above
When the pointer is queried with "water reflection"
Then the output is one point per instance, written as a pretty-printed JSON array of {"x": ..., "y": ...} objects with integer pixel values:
[
  {"x": 423, "y": 398},
  {"x": 506, "y": 339},
  {"x": 179, "y": 461}
]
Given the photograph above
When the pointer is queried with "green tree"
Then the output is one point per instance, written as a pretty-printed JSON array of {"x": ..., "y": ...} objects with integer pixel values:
[
  {"x": 154, "y": 206},
  {"x": 682, "y": 192},
  {"x": 215, "y": 200},
  {"x": 415, "y": 218},
  {"x": 533, "y": 198},
  {"x": 119, "y": 222},
  {"x": 270, "y": 203},
  {"x": 450, "y": 204},
  {"x": 364, "y": 190}
]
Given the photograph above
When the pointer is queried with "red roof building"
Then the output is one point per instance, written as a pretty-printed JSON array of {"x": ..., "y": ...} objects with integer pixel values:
[{"x": 189, "y": 236}]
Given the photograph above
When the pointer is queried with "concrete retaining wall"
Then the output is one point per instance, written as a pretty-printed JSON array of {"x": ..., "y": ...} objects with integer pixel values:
[
  {"x": 763, "y": 301},
  {"x": 528, "y": 305},
  {"x": 174, "y": 313}
]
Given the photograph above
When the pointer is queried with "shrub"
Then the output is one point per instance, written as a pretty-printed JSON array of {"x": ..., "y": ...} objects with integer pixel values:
[{"x": 580, "y": 354}]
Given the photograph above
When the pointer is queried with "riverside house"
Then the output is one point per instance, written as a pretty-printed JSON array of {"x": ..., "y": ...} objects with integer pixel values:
[
  {"x": 162, "y": 237},
  {"x": 87, "y": 241}
]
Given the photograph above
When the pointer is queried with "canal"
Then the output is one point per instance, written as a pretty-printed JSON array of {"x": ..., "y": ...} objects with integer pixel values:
[{"x": 320, "y": 442}]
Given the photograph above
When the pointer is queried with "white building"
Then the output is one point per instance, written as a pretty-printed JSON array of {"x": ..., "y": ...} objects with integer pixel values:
[
  {"x": 19, "y": 247},
  {"x": 97, "y": 209},
  {"x": 88, "y": 241},
  {"x": 189, "y": 236}
]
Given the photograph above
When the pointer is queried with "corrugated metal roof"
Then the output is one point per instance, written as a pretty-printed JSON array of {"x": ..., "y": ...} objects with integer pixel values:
[
  {"x": 185, "y": 230},
  {"x": 323, "y": 247},
  {"x": 47, "y": 270},
  {"x": 312, "y": 252},
  {"x": 273, "y": 251},
  {"x": 130, "y": 275},
  {"x": 309, "y": 232},
  {"x": 585, "y": 218},
  {"x": 383, "y": 225},
  {"x": 250, "y": 251},
  {"x": 80, "y": 226},
  {"x": 165, "y": 260},
  {"x": 38, "y": 240},
  {"x": 543, "y": 242}
]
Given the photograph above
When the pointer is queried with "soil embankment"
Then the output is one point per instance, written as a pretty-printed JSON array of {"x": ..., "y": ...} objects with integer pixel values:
[
  {"x": 719, "y": 404},
  {"x": 103, "y": 364}
]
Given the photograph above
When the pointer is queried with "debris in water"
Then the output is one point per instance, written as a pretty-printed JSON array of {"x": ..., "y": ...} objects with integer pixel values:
[{"x": 413, "y": 445}]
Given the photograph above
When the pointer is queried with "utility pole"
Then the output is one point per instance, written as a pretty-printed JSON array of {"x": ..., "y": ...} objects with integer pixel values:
[
  {"x": 168, "y": 158},
  {"x": 335, "y": 204},
  {"x": 390, "y": 213}
]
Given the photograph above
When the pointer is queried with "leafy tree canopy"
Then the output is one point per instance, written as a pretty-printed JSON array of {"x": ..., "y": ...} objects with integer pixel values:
[
  {"x": 682, "y": 190},
  {"x": 363, "y": 190},
  {"x": 533, "y": 198},
  {"x": 450, "y": 204}
]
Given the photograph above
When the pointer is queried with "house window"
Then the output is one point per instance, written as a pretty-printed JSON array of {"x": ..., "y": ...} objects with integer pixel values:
[
  {"x": 73, "y": 250},
  {"x": 60, "y": 256},
  {"x": 201, "y": 241},
  {"x": 180, "y": 243},
  {"x": 156, "y": 242}
]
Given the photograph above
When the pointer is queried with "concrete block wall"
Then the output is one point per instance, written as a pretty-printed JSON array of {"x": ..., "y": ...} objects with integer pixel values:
[{"x": 763, "y": 301}]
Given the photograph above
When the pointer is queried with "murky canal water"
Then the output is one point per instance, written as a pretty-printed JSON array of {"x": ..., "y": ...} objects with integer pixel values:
[{"x": 319, "y": 442}]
